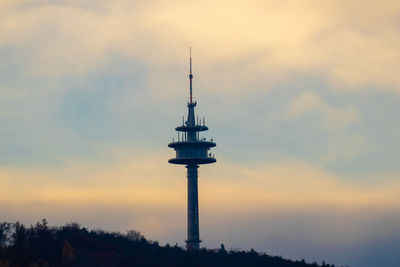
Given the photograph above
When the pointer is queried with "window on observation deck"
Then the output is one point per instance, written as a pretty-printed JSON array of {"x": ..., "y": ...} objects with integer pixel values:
[{"x": 191, "y": 153}]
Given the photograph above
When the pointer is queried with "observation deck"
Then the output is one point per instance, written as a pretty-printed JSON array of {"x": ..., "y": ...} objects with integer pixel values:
[
  {"x": 196, "y": 128},
  {"x": 192, "y": 152},
  {"x": 190, "y": 148}
]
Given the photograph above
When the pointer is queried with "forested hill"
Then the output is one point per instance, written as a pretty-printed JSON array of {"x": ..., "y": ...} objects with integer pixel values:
[{"x": 72, "y": 245}]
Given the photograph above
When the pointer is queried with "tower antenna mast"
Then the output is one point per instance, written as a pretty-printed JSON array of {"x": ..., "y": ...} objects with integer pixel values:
[{"x": 190, "y": 75}]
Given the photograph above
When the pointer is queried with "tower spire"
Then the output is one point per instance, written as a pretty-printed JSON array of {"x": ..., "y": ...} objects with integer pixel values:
[{"x": 190, "y": 75}]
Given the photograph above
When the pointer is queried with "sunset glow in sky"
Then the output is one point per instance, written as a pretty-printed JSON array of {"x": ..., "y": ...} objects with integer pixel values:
[{"x": 301, "y": 97}]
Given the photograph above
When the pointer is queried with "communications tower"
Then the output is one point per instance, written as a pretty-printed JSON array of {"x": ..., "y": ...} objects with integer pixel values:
[{"x": 191, "y": 150}]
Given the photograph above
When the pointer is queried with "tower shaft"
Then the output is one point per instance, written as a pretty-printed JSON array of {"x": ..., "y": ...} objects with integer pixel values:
[{"x": 193, "y": 241}]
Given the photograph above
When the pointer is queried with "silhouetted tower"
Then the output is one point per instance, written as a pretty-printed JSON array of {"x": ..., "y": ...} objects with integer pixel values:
[{"x": 192, "y": 151}]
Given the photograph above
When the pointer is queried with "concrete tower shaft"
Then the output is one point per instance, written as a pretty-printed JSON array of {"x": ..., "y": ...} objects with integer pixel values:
[
  {"x": 193, "y": 237},
  {"x": 192, "y": 151}
]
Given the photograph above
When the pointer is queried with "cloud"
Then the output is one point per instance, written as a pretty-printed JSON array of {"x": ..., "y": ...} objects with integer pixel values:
[
  {"x": 292, "y": 185},
  {"x": 337, "y": 122},
  {"x": 334, "y": 117},
  {"x": 349, "y": 48}
]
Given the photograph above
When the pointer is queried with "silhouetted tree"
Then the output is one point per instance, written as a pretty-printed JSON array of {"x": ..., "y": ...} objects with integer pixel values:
[
  {"x": 222, "y": 250},
  {"x": 134, "y": 235},
  {"x": 68, "y": 254}
]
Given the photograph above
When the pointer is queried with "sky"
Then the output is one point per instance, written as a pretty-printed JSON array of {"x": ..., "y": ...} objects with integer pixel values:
[{"x": 301, "y": 97}]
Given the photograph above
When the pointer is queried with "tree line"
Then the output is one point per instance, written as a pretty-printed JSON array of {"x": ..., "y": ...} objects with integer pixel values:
[{"x": 72, "y": 245}]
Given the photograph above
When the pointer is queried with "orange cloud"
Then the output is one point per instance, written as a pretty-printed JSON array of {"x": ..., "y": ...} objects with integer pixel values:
[{"x": 228, "y": 186}]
